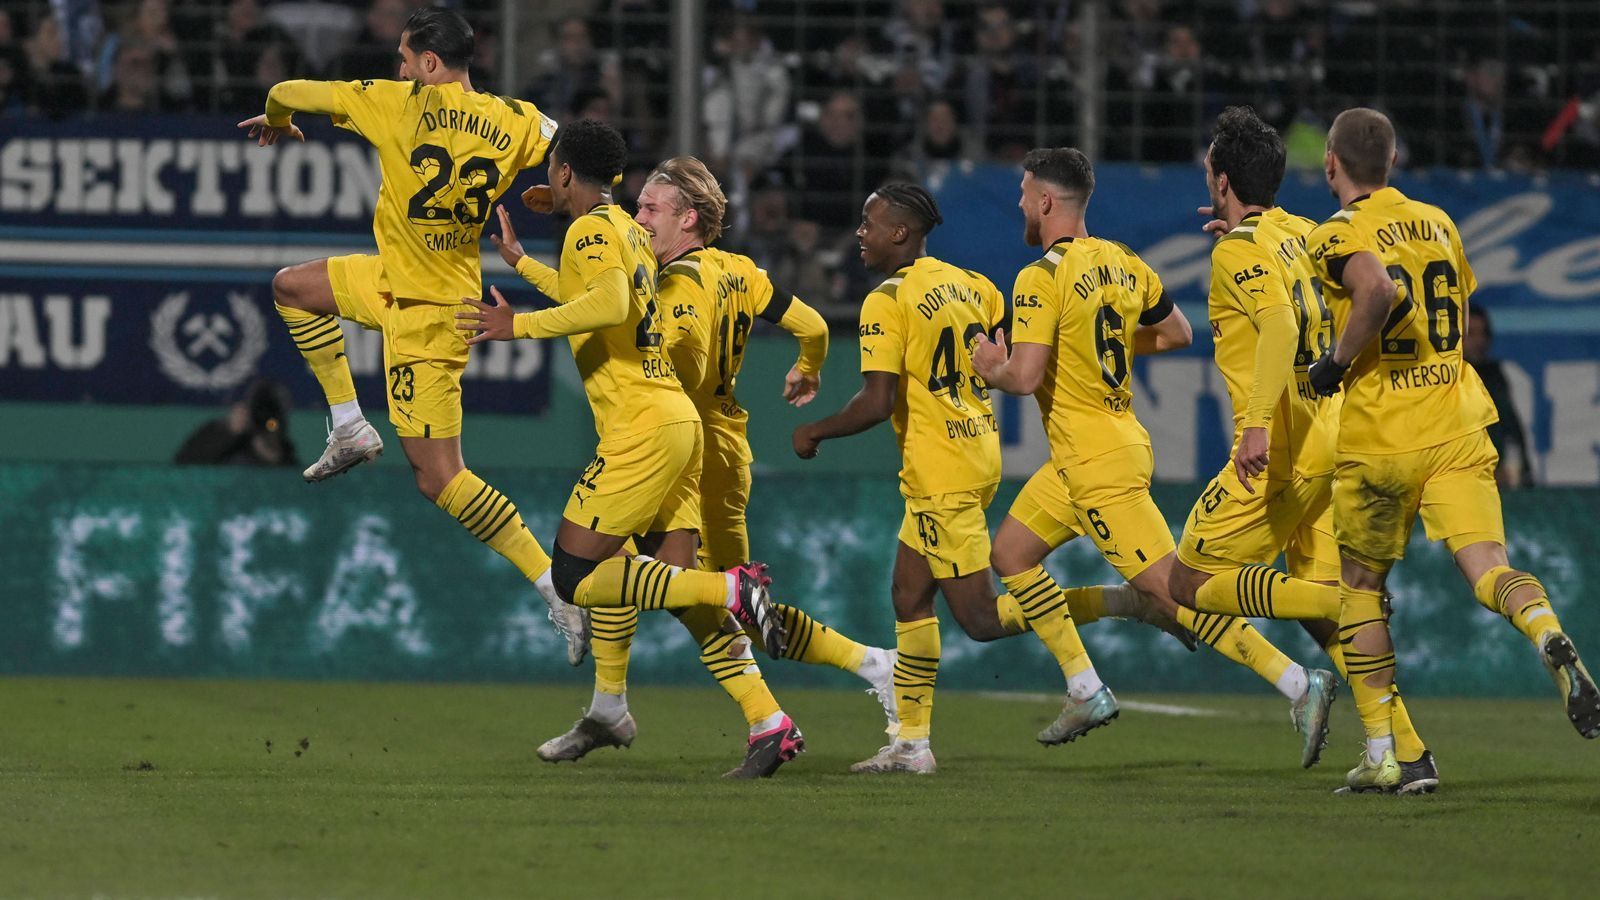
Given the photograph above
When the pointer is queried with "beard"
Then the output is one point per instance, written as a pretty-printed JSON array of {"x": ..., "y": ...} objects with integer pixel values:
[{"x": 1030, "y": 231}]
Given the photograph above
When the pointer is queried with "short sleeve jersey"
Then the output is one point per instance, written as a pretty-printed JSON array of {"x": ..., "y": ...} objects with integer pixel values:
[
  {"x": 447, "y": 155},
  {"x": 713, "y": 298},
  {"x": 919, "y": 324},
  {"x": 626, "y": 373},
  {"x": 1261, "y": 264},
  {"x": 1410, "y": 388},
  {"x": 1085, "y": 298}
]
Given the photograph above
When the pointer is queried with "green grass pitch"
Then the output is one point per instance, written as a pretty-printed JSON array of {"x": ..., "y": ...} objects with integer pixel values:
[{"x": 121, "y": 788}]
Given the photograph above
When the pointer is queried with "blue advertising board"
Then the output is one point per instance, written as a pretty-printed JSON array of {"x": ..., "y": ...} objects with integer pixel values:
[{"x": 1534, "y": 244}]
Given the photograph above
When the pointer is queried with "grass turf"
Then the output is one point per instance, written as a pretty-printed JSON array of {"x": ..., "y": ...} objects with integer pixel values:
[{"x": 264, "y": 789}]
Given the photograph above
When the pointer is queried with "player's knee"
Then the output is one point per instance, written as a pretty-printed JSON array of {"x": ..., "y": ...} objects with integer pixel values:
[
  {"x": 1184, "y": 583},
  {"x": 977, "y": 626},
  {"x": 286, "y": 288},
  {"x": 1007, "y": 561},
  {"x": 430, "y": 484},
  {"x": 568, "y": 571}
]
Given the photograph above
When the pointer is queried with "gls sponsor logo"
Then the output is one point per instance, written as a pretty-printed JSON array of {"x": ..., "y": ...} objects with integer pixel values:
[
  {"x": 1255, "y": 271},
  {"x": 871, "y": 329}
]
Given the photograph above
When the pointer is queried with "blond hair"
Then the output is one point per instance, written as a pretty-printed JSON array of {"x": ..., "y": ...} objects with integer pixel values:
[{"x": 699, "y": 191}]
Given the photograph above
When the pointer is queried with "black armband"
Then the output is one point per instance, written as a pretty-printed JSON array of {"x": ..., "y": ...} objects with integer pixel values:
[
  {"x": 1158, "y": 313},
  {"x": 778, "y": 305},
  {"x": 1335, "y": 266}
]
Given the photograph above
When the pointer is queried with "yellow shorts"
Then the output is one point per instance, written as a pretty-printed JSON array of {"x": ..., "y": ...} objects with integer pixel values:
[
  {"x": 1376, "y": 498},
  {"x": 641, "y": 483},
  {"x": 423, "y": 352},
  {"x": 724, "y": 496},
  {"x": 1230, "y": 527},
  {"x": 950, "y": 531},
  {"x": 1112, "y": 506}
]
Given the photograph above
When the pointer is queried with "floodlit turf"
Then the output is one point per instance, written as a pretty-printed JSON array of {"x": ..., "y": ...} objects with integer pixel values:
[{"x": 254, "y": 789}]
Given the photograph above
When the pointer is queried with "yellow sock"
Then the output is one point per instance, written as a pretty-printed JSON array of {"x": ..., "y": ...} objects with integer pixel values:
[
  {"x": 1535, "y": 617},
  {"x": 650, "y": 584},
  {"x": 1086, "y": 605},
  {"x": 1045, "y": 607},
  {"x": 812, "y": 642},
  {"x": 1264, "y": 592},
  {"x": 1370, "y": 668},
  {"x": 1234, "y": 638},
  {"x": 493, "y": 519},
  {"x": 1408, "y": 745},
  {"x": 321, "y": 341},
  {"x": 612, "y": 640},
  {"x": 916, "y": 666},
  {"x": 725, "y": 652}
]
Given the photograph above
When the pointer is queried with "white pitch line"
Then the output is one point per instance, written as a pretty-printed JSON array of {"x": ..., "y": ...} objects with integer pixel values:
[{"x": 1160, "y": 709}]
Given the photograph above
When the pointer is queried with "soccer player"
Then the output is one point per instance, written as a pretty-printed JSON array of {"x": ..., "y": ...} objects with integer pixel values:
[
  {"x": 644, "y": 480},
  {"x": 915, "y": 330},
  {"x": 1411, "y": 437},
  {"x": 1268, "y": 323},
  {"x": 714, "y": 298},
  {"x": 1081, "y": 315},
  {"x": 446, "y": 153}
]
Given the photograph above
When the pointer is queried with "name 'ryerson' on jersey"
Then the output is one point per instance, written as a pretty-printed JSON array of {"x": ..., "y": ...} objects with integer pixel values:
[
  {"x": 1261, "y": 264},
  {"x": 1085, "y": 299},
  {"x": 919, "y": 324},
  {"x": 1410, "y": 388},
  {"x": 626, "y": 373},
  {"x": 447, "y": 155}
]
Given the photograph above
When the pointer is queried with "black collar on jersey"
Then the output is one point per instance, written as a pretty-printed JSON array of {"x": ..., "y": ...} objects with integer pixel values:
[
  {"x": 1059, "y": 241},
  {"x": 600, "y": 204},
  {"x": 684, "y": 255},
  {"x": 1359, "y": 199},
  {"x": 1249, "y": 215}
]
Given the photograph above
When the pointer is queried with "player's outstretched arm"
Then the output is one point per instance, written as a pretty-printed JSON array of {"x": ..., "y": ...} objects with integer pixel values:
[
  {"x": 1372, "y": 294},
  {"x": 807, "y": 325},
  {"x": 284, "y": 100},
  {"x": 603, "y": 305},
  {"x": 1020, "y": 371},
  {"x": 872, "y": 404}
]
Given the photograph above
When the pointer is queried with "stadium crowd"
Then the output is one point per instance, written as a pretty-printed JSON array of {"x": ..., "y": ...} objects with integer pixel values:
[{"x": 807, "y": 104}]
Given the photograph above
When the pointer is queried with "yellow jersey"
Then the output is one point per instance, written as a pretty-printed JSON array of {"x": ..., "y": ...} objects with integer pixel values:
[
  {"x": 919, "y": 324},
  {"x": 714, "y": 298},
  {"x": 1085, "y": 298},
  {"x": 626, "y": 373},
  {"x": 446, "y": 154},
  {"x": 1410, "y": 388},
  {"x": 1259, "y": 269}
]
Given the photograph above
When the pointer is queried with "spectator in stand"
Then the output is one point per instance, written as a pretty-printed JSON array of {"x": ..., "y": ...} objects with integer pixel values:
[
  {"x": 785, "y": 248},
  {"x": 830, "y": 170},
  {"x": 937, "y": 147},
  {"x": 241, "y": 41},
  {"x": 1482, "y": 133},
  {"x": 55, "y": 86},
  {"x": 148, "y": 24},
  {"x": 746, "y": 105},
  {"x": 376, "y": 51},
  {"x": 1176, "y": 106},
  {"x": 1509, "y": 437},
  {"x": 255, "y": 432},
  {"x": 136, "y": 83},
  {"x": 922, "y": 37},
  {"x": 1001, "y": 85},
  {"x": 567, "y": 71},
  {"x": 1285, "y": 64}
]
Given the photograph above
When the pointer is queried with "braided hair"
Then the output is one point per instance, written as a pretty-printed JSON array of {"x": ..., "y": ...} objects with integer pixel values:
[{"x": 915, "y": 201}]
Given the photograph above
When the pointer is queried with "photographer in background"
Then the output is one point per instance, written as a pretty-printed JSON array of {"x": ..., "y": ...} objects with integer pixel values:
[
  {"x": 255, "y": 432},
  {"x": 1516, "y": 468}
]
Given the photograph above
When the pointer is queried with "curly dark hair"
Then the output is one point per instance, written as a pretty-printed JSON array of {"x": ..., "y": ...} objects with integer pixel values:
[
  {"x": 595, "y": 151},
  {"x": 1250, "y": 152}
]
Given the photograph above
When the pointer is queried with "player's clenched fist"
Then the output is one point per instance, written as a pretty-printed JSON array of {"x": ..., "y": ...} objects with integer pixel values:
[{"x": 539, "y": 199}]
